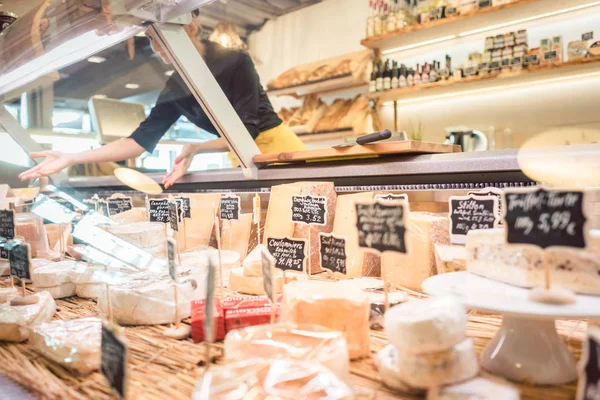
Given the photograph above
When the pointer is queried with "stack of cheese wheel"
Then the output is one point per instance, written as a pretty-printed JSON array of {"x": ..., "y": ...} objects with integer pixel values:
[
  {"x": 428, "y": 346},
  {"x": 55, "y": 278}
]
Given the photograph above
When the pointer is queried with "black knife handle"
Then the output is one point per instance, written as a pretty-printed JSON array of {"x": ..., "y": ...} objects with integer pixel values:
[{"x": 374, "y": 137}]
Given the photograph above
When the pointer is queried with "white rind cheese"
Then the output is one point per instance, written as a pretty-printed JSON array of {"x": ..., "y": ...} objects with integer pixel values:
[
  {"x": 59, "y": 291},
  {"x": 450, "y": 258},
  {"x": 386, "y": 362},
  {"x": 424, "y": 326},
  {"x": 7, "y": 294},
  {"x": 74, "y": 344},
  {"x": 197, "y": 260},
  {"x": 89, "y": 290},
  {"x": 15, "y": 321},
  {"x": 141, "y": 234},
  {"x": 476, "y": 389},
  {"x": 578, "y": 270},
  {"x": 54, "y": 274}
]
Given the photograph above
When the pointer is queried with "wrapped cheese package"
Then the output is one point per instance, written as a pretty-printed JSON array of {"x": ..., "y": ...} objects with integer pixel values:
[
  {"x": 15, "y": 321},
  {"x": 74, "y": 344},
  {"x": 262, "y": 379},
  {"x": 291, "y": 341}
]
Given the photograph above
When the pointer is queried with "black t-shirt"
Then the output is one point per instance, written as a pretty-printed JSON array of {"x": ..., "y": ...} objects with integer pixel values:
[{"x": 235, "y": 73}]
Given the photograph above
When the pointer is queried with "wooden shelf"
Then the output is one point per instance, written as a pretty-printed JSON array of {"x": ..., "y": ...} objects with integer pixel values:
[
  {"x": 457, "y": 26},
  {"x": 530, "y": 75},
  {"x": 324, "y": 86}
]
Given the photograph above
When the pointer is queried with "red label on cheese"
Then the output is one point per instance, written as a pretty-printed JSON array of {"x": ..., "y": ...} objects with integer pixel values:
[{"x": 198, "y": 320}]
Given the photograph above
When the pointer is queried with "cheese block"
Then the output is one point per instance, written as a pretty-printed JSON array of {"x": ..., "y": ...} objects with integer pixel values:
[
  {"x": 141, "y": 234},
  {"x": 254, "y": 284},
  {"x": 332, "y": 305},
  {"x": 573, "y": 269},
  {"x": 427, "y": 370},
  {"x": 59, "y": 291},
  {"x": 39, "y": 262},
  {"x": 198, "y": 260},
  {"x": 252, "y": 264},
  {"x": 199, "y": 228},
  {"x": 235, "y": 234},
  {"x": 148, "y": 303},
  {"x": 291, "y": 341},
  {"x": 476, "y": 389},
  {"x": 7, "y": 294},
  {"x": 54, "y": 274},
  {"x": 386, "y": 362},
  {"x": 409, "y": 270},
  {"x": 358, "y": 261},
  {"x": 135, "y": 215},
  {"x": 279, "y": 215},
  {"x": 450, "y": 258},
  {"x": 89, "y": 290},
  {"x": 74, "y": 344},
  {"x": 15, "y": 321},
  {"x": 425, "y": 326}
]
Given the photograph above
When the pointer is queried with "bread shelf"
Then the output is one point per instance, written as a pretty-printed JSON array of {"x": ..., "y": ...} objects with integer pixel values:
[
  {"x": 324, "y": 86},
  {"x": 503, "y": 16},
  {"x": 477, "y": 84}
]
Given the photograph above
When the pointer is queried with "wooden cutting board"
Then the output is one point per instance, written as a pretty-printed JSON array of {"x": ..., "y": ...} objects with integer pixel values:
[{"x": 405, "y": 147}]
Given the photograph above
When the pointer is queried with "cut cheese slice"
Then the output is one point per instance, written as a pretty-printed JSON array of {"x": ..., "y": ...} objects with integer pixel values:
[
  {"x": 412, "y": 268},
  {"x": 358, "y": 261},
  {"x": 59, "y": 291},
  {"x": 426, "y": 326},
  {"x": 15, "y": 321},
  {"x": 54, "y": 274},
  {"x": 142, "y": 234},
  {"x": 53, "y": 231},
  {"x": 74, "y": 344},
  {"x": 197, "y": 261},
  {"x": 386, "y": 362},
  {"x": 332, "y": 305},
  {"x": 450, "y": 258},
  {"x": 235, "y": 234},
  {"x": 199, "y": 228},
  {"x": 253, "y": 262},
  {"x": 135, "y": 215},
  {"x": 578, "y": 270},
  {"x": 254, "y": 284},
  {"x": 476, "y": 389}
]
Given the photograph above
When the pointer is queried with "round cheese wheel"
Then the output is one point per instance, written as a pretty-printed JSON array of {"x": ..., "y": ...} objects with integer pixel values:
[
  {"x": 425, "y": 326},
  {"x": 386, "y": 362},
  {"x": 60, "y": 291},
  {"x": 54, "y": 274}
]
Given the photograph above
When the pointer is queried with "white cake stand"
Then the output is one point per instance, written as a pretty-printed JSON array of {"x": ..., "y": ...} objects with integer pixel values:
[{"x": 527, "y": 347}]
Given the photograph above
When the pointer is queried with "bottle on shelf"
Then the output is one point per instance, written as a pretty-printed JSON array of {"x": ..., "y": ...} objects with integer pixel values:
[
  {"x": 378, "y": 22},
  {"x": 425, "y": 73},
  {"x": 402, "y": 79},
  {"x": 395, "y": 75},
  {"x": 387, "y": 76},
  {"x": 373, "y": 80},
  {"x": 410, "y": 79},
  {"x": 418, "y": 76},
  {"x": 371, "y": 20},
  {"x": 379, "y": 79},
  {"x": 434, "y": 72},
  {"x": 392, "y": 18}
]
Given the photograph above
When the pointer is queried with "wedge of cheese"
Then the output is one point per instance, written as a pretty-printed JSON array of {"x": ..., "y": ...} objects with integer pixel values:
[
  {"x": 252, "y": 264},
  {"x": 74, "y": 344},
  {"x": 15, "y": 321},
  {"x": 333, "y": 305},
  {"x": 450, "y": 258},
  {"x": 142, "y": 234},
  {"x": 279, "y": 215},
  {"x": 573, "y": 269},
  {"x": 197, "y": 260},
  {"x": 358, "y": 261},
  {"x": 412, "y": 268},
  {"x": 235, "y": 234},
  {"x": 136, "y": 214},
  {"x": 254, "y": 284},
  {"x": 199, "y": 228}
]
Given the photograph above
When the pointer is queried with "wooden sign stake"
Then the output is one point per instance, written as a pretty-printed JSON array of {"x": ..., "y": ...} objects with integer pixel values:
[
  {"x": 108, "y": 301},
  {"x": 218, "y": 235},
  {"x": 176, "y": 295},
  {"x": 386, "y": 303},
  {"x": 23, "y": 287},
  {"x": 12, "y": 281},
  {"x": 547, "y": 268},
  {"x": 61, "y": 240}
]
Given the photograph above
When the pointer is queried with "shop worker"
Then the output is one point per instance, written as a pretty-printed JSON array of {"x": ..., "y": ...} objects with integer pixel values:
[{"x": 235, "y": 73}]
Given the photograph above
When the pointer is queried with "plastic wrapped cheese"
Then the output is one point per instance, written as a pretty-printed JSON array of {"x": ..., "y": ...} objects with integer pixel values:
[
  {"x": 7, "y": 294},
  {"x": 141, "y": 234},
  {"x": 285, "y": 340},
  {"x": 74, "y": 344},
  {"x": 334, "y": 305},
  {"x": 260, "y": 379},
  {"x": 200, "y": 227},
  {"x": 235, "y": 234},
  {"x": 255, "y": 284},
  {"x": 136, "y": 214},
  {"x": 15, "y": 321},
  {"x": 54, "y": 274}
]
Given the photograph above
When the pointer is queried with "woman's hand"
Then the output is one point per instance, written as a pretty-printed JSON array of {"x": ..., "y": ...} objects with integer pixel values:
[
  {"x": 182, "y": 163},
  {"x": 54, "y": 162}
]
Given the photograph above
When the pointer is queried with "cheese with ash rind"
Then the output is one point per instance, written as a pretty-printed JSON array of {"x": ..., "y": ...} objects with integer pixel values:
[
  {"x": 476, "y": 389},
  {"x": 386, "y": 362},
  {"x": 253, "y": 262},
  {"x": 15, "y": 321},
  {"x": 578, "y": 270},
  {"x": 55, "y": 274},
  {"x": 424, "y": 326},
  {"x": 333, "y": 305},
  {"x": 235, "y": 234},
  {"x": 358, "y": 261},
  {"x": 59, "y": 291},
  {"x": 142, "y": 234},
  {"x": 74, "y": 344},
  {"x": 285, "y": 340},
  {"x": 450, "y": 258}
]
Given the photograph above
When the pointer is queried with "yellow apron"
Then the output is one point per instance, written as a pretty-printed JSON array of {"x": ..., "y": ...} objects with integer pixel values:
[{"x": 275, "y": 140}]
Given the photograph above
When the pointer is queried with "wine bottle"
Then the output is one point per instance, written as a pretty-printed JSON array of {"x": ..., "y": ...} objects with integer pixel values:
[
  {"x": 387, "y": 76},
  {"x": 379, "y": 80},
  {"x": 373, "y": 81},
  {"x": 395, "y": 75}
]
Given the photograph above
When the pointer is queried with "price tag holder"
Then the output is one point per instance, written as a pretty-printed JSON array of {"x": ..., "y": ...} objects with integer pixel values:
[
  {"x": 171, "y": 252},
  {"x": 268, "y": 262},
  {"x": 545, "y": 217},
  {"x": 470, "y": 213},
  {"x": 230, "y": 208},
  {"x": 289, "y": 254},
  {"x": 310, "y": 210},
  {"x": 588, "y": 385},
  {"x": 185, "y": 207},
  {"x": 381, "y": 225},
  {"x": 489, "y": 191},
  {"x": 159, "y": 210},
  {"x": 7, "y": 224},
  {"x": 113, "y": 364},
  {"x": 19, "y": 257},
  {"x": 173, "y": 216},
  {"x": 333, "y": 252},
  {"x": 119, "y": 205}
]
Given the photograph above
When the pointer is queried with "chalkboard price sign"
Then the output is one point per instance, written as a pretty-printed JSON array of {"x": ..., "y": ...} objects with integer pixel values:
[
  {"x": 173, "y": 217},
  {"x": 113, "y": 363},
  {"x": 119, "y": 205},
  {"x": 381, "y": 226},
  {"x": 7, "y": 224},
  {"x": 159, "y": 210},
  {"x": 333, "y": 253},
  {"x": 545, "y": 217},
  {"x": 4, "y": 253},
  {"x": 470, "y": 213},
  {"x": 289, "y": 253},
  {"x": 489, "y": 191},
  {"x": 230, "y": 208},
  {"x": 311, "y": 210},
  {"x": 185, "y": 207},
  {"x": 19, "y": 258}
]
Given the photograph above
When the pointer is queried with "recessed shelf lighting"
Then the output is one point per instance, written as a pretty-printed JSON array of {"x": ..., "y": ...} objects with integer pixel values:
[
  {"x": 132, "y": 86},
  {"x": 96, "y": 60}
]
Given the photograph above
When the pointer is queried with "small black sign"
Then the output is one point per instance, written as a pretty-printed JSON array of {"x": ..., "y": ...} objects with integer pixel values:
[
  {"x": 470, "y": 213},
  {"x": 119, "y": 205},
  {"x": 289, "y": 254},
  {"x": 490, "y": 191},
  {"x": 185, "y": 206},
  {"x": 588, "y": 386},
  {"x": 311, "y": 210},
  {"x": 506, "y": 62},
  {"x": 550, "y": 55},
  {"x": 381, "y": 227},
  {"x": 333, "y": 253},
  {"x": 470, "y": 71},
  {"x": 545, "y": 217},
  {"x": 484, "y": 3},
  {"x": 7, "y": 224},
  {"x": 19, "y": 258},
  {"x": 230, "y": 208},
  {"x": 587, "y": 36},
  {"x": 4, "y": 253},
  {"x": 159, "y": 210},
  {"x": 113, "y": 364},
  {"x": 531, "y": 59},
  {"x": 171, "y": 249},
  {"x": 173, "y": 216}
]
